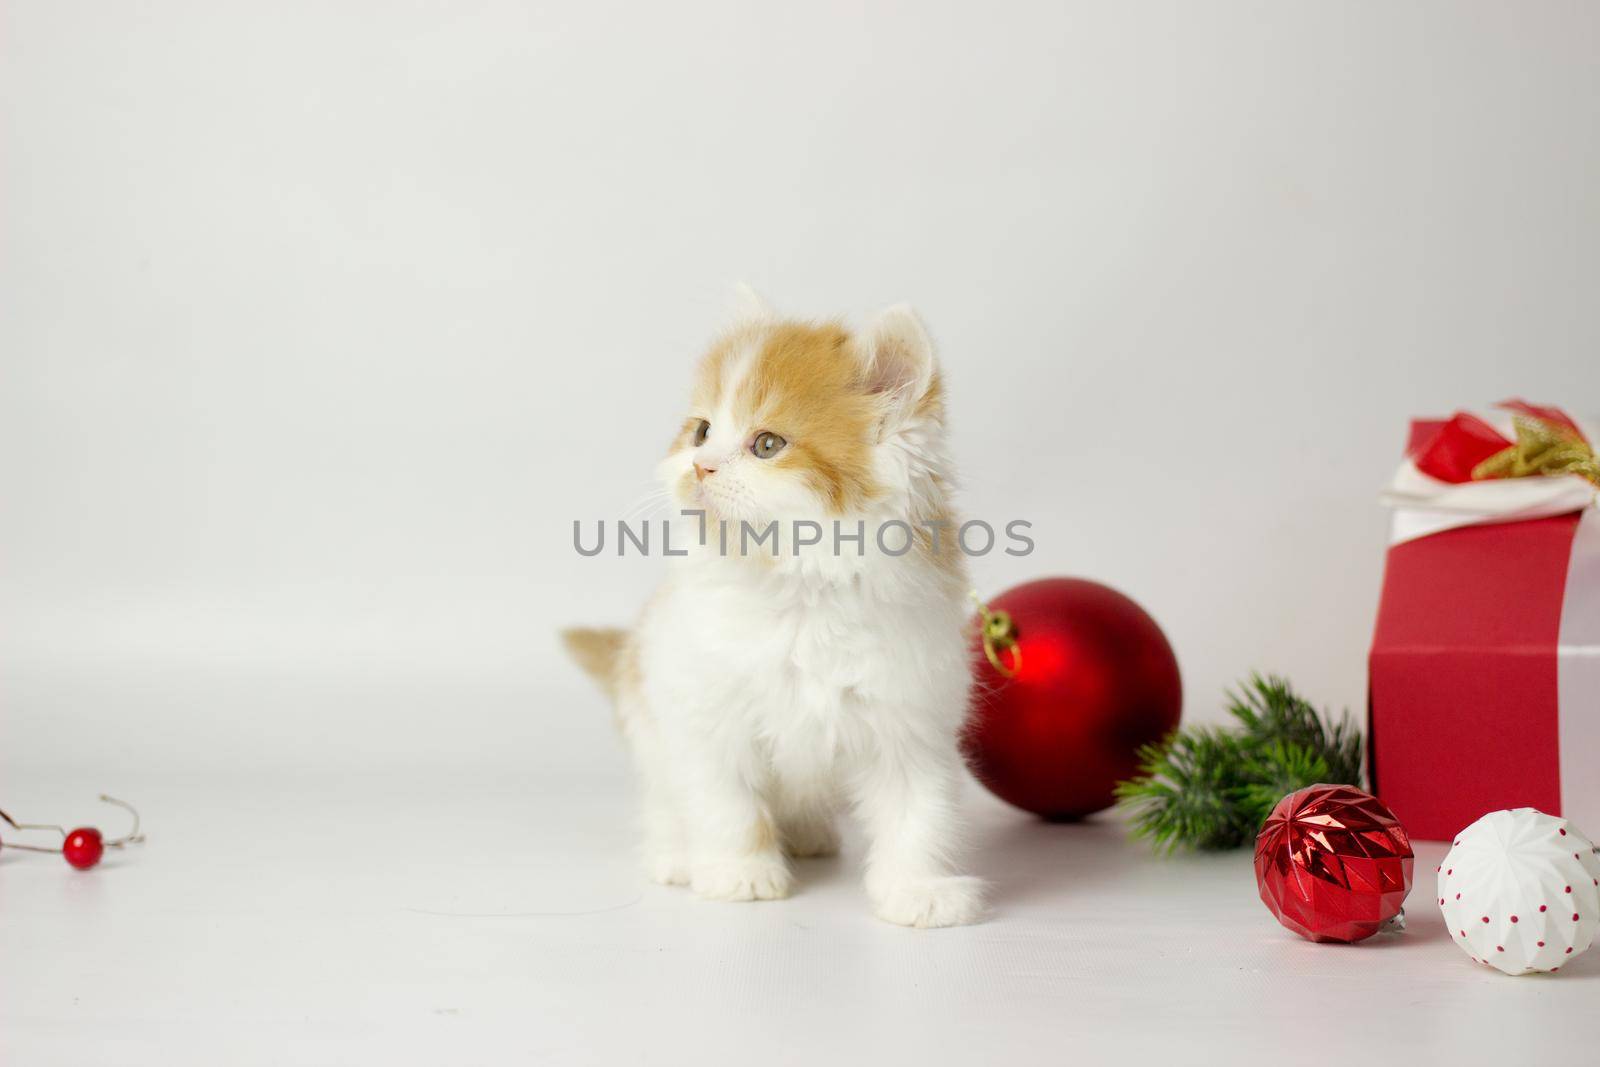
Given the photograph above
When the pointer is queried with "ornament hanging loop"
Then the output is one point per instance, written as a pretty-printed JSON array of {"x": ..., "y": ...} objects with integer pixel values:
[{"x": 999, "y": 637}]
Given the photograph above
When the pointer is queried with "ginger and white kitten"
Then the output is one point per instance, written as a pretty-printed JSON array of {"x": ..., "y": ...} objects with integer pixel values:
[{"x": 763, "y": 692}]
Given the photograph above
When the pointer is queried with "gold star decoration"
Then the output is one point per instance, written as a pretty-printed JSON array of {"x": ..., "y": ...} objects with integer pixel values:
[{"x": 1542, "y": 448}]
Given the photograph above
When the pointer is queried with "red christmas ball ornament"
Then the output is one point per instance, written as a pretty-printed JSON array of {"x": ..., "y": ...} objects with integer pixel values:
[
  {"x": 1072, "y": 677},
  {"x": 83, "y": 847},
  {"x": 1333, "y": 863}
]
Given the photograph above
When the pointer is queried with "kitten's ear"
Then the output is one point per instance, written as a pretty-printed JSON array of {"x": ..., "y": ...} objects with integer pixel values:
[
  {"x": 748, "y": 306},
  {"x": 898, "y": 355}
]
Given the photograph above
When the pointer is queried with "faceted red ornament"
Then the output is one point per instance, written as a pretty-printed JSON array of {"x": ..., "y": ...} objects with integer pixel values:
[
  {"x": 1091, "y": 679},
  {"x": 83, "y": 848},
  {"x": 1333, "y": 863}
]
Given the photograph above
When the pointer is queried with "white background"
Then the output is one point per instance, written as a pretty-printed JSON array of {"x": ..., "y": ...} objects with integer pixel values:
[{"x": 320, "y": 323}]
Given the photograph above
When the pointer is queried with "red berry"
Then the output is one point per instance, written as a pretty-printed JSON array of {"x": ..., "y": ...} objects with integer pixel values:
[{"x": 83, "y": 847}]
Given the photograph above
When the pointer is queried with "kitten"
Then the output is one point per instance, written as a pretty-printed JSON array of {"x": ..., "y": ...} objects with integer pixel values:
[{"x": 770, "y": 685}]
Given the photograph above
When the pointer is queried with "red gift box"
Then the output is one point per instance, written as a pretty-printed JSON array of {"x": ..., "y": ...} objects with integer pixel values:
[{"x": 1485, "y": 663}]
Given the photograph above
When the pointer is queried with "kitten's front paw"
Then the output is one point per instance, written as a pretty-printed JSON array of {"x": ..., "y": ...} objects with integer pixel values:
[
  {"x": 954, "y": 900},
  {"x": 667, "y": 868},
  {"x": 760, "y": 877}
]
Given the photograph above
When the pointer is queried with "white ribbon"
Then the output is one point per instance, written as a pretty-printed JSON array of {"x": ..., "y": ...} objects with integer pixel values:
[
  {"x": 1425, "y": 505},
  {"x": 1578, "y": 678}
]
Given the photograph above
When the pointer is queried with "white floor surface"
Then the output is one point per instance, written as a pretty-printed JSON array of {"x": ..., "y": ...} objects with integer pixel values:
[{"x": 389, "y": 921}]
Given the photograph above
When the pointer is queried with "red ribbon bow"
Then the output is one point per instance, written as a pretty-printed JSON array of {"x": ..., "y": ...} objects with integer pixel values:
[{"x": 1465, "y": 441}]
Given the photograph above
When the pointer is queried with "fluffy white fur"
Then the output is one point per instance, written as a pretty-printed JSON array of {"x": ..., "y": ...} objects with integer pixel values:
[{"x": 762, "y": 697}]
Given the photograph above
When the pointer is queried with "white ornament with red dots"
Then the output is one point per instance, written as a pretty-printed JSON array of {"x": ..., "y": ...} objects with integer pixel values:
[{"x": 1520, "y": 891}]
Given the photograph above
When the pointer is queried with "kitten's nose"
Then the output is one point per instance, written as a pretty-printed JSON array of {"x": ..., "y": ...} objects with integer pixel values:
[{"x": 701, "y": 472}]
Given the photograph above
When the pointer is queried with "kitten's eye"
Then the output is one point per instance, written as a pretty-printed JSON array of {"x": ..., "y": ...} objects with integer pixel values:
[
  {"x": 700, "y": 432},
  {"x": 766, "y": 445}
]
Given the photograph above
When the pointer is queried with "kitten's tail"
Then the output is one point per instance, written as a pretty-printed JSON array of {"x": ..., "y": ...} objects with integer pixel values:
[{"x": 601, "y": 654}]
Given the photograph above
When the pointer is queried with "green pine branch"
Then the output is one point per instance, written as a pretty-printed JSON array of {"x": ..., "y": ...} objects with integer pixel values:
[
  {"x": 1270, "y": 711},
  {"x": 1211, "y": 788},
  {"x": 1188, "y": 791}
]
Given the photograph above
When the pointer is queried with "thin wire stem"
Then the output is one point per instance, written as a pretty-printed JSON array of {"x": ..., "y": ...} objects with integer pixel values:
[
  {"x": 131, "y": 836},
  {"x": 15, "y": 825}
]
